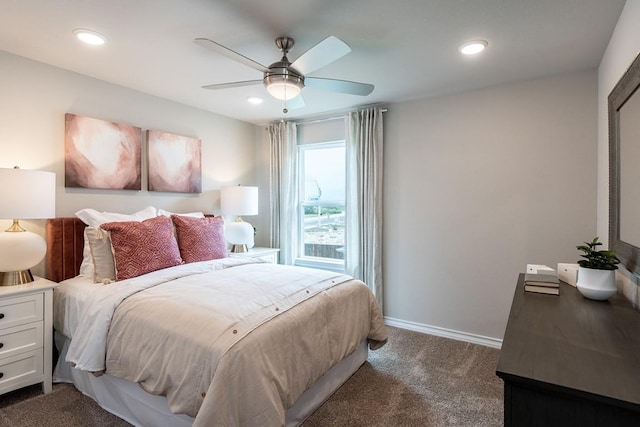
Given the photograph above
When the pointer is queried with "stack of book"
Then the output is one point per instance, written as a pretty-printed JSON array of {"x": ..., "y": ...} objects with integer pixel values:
[{"x": 541, "y": 284}]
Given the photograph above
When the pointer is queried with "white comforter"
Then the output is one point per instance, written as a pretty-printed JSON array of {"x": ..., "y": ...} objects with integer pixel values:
[{"x": 230, "y": 346}]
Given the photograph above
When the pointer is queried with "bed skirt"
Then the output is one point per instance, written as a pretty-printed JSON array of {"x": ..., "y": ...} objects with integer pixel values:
[{"x": 130, "y": 402}]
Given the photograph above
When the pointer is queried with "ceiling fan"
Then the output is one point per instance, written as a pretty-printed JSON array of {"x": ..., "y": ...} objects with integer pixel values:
[{"x": 283, "y": 79}]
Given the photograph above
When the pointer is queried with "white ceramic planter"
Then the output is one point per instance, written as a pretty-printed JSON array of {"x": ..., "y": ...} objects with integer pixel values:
[{"x": 596, "y": 284}]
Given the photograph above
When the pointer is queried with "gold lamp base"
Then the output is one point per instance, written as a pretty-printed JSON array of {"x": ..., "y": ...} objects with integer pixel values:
[
  {"x": 11, "y": 278},
  {"x": 239, "y": 248}
]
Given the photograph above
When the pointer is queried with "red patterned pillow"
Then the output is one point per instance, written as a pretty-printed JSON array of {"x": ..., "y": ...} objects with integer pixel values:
[
  {"x": 142, "y": 247},
  {"x": 200, "y": 239}
]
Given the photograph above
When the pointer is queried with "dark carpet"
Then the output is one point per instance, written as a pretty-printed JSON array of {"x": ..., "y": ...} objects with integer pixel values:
[{"x": 414, "y": 380}]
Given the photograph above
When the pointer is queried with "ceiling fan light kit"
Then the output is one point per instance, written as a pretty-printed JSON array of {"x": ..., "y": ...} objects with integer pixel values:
[
  {"x": 282, "y": 87},
  {"x": 282, "y": 81},
  {"x": 285, "y": 80}
]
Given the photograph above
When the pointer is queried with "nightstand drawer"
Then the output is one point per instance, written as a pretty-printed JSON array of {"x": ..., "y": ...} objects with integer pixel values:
[
  {"x": 20, "y": 310},
  {"x": 20, "y": 339},
  {"x": 25, "y": 368}
]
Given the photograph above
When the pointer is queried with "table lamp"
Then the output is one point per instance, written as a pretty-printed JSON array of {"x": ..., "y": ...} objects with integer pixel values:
[
  {"x": 237, "y": 201},
  {"x": 24, "y": 194}
]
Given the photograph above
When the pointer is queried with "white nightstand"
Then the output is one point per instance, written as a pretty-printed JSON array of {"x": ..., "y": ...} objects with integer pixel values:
[
  {"x": 26, "y": 335},
  {"x": 266, "y": 254}
]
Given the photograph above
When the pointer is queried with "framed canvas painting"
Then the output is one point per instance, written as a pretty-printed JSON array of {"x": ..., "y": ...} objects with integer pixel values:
[
  {"x": 101, "y": 154},
  {"x": 174, "y": 163}
]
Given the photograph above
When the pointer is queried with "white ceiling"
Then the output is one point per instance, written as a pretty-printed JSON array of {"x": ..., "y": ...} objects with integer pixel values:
[{"x": 406, "y": 48}]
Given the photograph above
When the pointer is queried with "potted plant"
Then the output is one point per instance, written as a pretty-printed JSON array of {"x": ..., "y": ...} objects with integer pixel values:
[{"x": 596, "y": 272}]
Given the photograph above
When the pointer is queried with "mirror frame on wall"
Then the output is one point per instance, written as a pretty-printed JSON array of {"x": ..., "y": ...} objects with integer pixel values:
[{"x": 627, "y": 86}]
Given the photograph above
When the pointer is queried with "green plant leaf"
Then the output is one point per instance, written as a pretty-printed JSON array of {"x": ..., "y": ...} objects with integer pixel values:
[{"x": 597, "y": 259}]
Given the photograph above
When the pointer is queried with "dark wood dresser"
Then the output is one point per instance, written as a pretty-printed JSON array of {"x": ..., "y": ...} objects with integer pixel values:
[{"x": 570, "y": 361}]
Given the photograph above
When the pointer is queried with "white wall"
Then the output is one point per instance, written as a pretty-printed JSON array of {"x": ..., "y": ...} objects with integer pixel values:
[
  {"x": 34, "y": 98},
  {"x": 477, "y": 185},
  {"x": 623, "y": 47}
]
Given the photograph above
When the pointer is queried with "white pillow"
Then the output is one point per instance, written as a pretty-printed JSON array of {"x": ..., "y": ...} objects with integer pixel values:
[
  {"x": 162, "y": 212},
  {"x": 93, "y": 218}
]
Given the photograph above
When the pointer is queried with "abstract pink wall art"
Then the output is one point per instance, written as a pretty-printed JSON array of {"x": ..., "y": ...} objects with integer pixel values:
[
  {"x": 101, "y": 154},
  {"x": 174, "y": 163}
]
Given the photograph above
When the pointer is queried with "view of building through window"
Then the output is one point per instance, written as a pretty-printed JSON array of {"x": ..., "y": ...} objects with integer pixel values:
[{"x": 322, "y": 211}]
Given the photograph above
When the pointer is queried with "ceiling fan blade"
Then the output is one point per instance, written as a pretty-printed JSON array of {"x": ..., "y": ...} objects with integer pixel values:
[
  {"x": 231, "y": 54},
  {"x": 342, "y": 86},
  {"x": 232, "y": 84},
  {"x": 320, "y": 55},
  {"x": 297, "y": 102}
]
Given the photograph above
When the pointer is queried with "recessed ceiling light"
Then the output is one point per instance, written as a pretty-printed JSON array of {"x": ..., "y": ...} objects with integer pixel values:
[
  {"x": 255, "y": 100},
  {"x": 90, "y": 37},
  {"x": 472, "y": 47}
]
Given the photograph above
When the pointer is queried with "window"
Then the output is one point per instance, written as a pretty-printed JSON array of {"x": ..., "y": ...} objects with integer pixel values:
[{"x": 321, "y": 214}]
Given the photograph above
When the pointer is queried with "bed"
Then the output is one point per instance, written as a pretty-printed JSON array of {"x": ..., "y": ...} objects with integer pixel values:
[{"x": 228, "y": 341}]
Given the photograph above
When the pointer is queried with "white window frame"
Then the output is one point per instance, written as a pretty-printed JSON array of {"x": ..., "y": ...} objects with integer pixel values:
[{"x": 300, "y": 259}]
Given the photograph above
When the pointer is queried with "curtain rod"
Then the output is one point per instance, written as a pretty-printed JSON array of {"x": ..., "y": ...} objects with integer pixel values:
[{"x": 326, "y": 119}]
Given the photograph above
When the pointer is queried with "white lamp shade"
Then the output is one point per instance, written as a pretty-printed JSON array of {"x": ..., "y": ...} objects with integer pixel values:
[
  {"x": 20, "y": 250},
  {"x": 239, "y": 233},
  {"x": 239, "y": 200},
  {"x": 27, "y": 194}
]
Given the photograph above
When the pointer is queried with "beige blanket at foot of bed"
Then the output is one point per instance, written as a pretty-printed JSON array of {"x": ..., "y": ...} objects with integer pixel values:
[{"x": 240, "y": 345}]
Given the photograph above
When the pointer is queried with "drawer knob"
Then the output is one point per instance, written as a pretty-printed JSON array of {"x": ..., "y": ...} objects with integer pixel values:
[
  {"x": 1, "y": 375},
  {"x": 1, "y": 344},
  {"x": 1, "y": 315}
]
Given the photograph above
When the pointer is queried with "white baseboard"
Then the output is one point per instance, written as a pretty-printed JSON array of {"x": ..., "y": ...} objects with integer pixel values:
[{"x": 443, "y": 332}]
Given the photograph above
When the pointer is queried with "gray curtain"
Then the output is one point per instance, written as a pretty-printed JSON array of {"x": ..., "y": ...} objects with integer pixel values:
[
  {"x": 363, "y": 257},
  {"x": 283, "y": 194}
]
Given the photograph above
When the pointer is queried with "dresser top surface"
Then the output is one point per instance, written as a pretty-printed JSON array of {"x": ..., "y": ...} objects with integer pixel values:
[{"x": 572, "y": 342}]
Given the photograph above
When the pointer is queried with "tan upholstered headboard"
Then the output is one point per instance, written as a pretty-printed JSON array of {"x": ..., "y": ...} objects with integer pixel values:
[{"x": 65, "y": 241}]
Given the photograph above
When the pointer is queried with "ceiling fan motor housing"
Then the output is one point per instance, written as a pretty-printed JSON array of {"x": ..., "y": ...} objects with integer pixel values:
[{"x": 280, "y": 72}]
